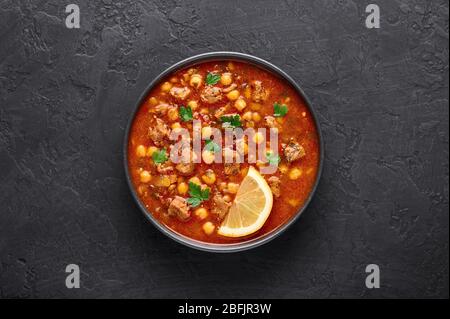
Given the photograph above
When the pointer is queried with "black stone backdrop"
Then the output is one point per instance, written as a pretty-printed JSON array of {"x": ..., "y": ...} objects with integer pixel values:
[{"x": 382, "y": 99}]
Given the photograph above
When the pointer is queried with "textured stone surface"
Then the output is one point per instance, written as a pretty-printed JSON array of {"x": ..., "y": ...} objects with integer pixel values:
[{"x": 382, "y": 99}]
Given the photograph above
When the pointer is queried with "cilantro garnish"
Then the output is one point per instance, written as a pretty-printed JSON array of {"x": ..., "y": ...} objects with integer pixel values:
[
  {"x": 274, "y": 159},
  {"x": 212, "y": 78},
  {"x": 212, "y": 146},
  {"x": 198, "y": 195},
  {"x": 186, "y": 113},
  {"x": 231, "y": 121},
  {"x": 159, "y": 157},
  {"x": 279, "y": 110}
]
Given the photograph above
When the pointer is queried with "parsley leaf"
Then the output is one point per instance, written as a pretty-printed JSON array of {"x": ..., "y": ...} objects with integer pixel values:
[
  {"x": 186, "y": 113},
  {"x": 159, "y": 157},
  {"x": 273, "y": 159},
  {"x": 231, "y": 121},
  {"x": 198, "y": 195},
  {"x": 212, "y": 146},
  {"x": 279, "y": 110},
  {"x": 212, "y": 78}
]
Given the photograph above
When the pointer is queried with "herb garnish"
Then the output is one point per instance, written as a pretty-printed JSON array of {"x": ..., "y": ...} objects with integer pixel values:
[
  {"x": 212, "y": 78},
  {"x": 198, "y": 195},
  {"x": 212, "y": 146},
  {"x": 231, "y": 121},
  {"x": 159, "y": 157},
  {"x": 186, "y": 113},
  {"x": 279, "y": 110},
  {"x": 273, "y": 159}
]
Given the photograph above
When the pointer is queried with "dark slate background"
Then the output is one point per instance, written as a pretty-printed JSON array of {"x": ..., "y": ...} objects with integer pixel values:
[{"x": 382, "y": 99}]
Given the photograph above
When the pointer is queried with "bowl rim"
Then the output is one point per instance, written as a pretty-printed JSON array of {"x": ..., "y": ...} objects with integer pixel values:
[{"x": 190, "y": 242}]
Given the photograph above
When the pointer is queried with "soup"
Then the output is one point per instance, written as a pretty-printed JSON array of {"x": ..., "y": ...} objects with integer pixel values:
[{"x": 212, "y": 200}]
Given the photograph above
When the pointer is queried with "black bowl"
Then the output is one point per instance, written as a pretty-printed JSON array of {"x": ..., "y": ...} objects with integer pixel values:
[{"x": 232, "y": 247}]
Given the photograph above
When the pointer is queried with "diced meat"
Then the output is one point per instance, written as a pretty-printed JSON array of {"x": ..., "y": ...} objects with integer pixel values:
[
  {"x": 293, "y": 151},
  {"x": 271, "y": 121},
  {"x": 220, "y": 206},
  {"x": 229, "y": 88},
  {"x": 211, "y": 94},
  {"x": 161, "y": 108},
  {"x": 220, "y": 112},
  {"x": 259, "y": 93},
  {"x": 178, "y": 207},
  {"x": 164, "y": 168},
  {"x": 158, "y": 132},
  {"x": 185, "y": 169},
  {"x": 232, "y": 168},
  {"x": 274, "y": 183},
  {"x": 180, "y": 93}
]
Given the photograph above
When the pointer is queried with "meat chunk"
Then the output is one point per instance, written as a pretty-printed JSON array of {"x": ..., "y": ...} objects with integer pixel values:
[
  {"x": 180, "y": 93},
  {"x": 274, "y": 183},
  {"x": 293, "y": 151},
  {"x": 158, "y": 132},
  {"x": 211, "y": 94},
  {"x": 185, "y": 169},
  {"x": 161, "y": 109},
  {"x": 271, "y": 121},
  {"x": 164, "y": 168},
  {"x": 178, "y": 207},
  {"x": 232, "y": 168},
  {"x": 220, "y": 206},
  {"x": 220, "y": 112},
  {"x": 259, "y": 93}
]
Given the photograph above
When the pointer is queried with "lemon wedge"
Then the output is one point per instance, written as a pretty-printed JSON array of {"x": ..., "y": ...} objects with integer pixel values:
[{"x": 251, "y": 207}]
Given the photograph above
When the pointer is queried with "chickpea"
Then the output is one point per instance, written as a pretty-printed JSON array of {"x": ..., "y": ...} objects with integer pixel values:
[
  {"x": 247, "y": 116},
  {"x": 206, "y": 132},
  {"x": 283, "y": 168},
  {"x": 182, "y": 188},
  {"x": 193, "y": 105},
  {"x": 209, "y": 177},
  {"x": 153, "y": 101},
  {"x": 258, "y": 138},
  {"x": 226, "y": 78},
  {"x": 222, "y": 186},
  {"x": 175, "y": 125},
  {"x": 196, "y": 80},
  {"x": 295, "y": 173},
  {"x": 255, "y": 106},
  {"x": 174, "y": 80},
  {"x": 201, "y": 213},
  {"x": 204, "y": 111},
  {"x": 208, "y": 228},
  {"x": 256, "y": 117},
  {"x": 232, "y": 188},
  {"x": 240, "y": 104},
  {"x": 195, "y": 180},
  {"x": 242, "y": 147},
  {"x": 172, "y": 114},
  {"x": 141, "y": 151},
  {"x": 293, "y": 202},
  {"x": 166, "y": 86},
  {"x": 230, "y": 66},
  {"x": 248, "y": 92},
  {"x": 208, "y": 157},
  {"x": 304, "y": 114},
  {"x": 233, "y": 95},
  {"x": 151, "y": 150},
  {"x": 145, "y": 177}
]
